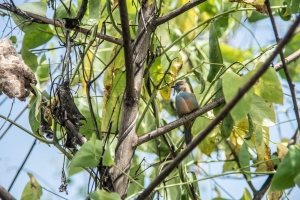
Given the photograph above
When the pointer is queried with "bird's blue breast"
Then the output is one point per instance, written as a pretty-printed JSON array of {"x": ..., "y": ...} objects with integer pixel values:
[{"x": 185, "y": 103}]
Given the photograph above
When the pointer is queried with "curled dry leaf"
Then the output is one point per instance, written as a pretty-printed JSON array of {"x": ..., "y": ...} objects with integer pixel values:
[
  {"x": 258, "y": 4},
  {"x": 281, "y": 150},
  {"x": 15, "y": 75}
]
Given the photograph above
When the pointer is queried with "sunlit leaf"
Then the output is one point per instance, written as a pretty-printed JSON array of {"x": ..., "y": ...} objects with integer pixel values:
[
  {"x": 269, "y": 87},
  {"x": 231, "y": 84},
  {"x": 262, "y": 112},
  {"x": 88, "y": 155},
  {"x": 32, "y": 190},
  {"x": 246, "y": 195}
]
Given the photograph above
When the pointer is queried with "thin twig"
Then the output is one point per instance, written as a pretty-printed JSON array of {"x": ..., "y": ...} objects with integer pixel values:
[
  {"x": 287, "y": 74},
  {"x": 56, "y": 23},
  {"x": 22, "y": 165}
]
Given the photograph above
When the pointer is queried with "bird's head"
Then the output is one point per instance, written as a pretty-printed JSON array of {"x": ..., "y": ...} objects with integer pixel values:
[{"x": 181, "y": 86}]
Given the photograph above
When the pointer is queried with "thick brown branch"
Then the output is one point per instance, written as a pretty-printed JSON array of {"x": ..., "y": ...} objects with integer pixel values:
[
  {"x": 4, "y": 194},
  {"x": 56, "y": 23},
  {"x": 164, "y": 129},
  {"x": 130, "y": 95},
  {"x": 241, "y": 92},
  {"x": 178, "y": 11}
]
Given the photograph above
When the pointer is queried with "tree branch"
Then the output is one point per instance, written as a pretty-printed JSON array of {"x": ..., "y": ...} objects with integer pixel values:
[
  {"x": 285, "y": 69},
  {"x": 127, "y": 136},
  {"x": 170, "y": 126},
  {"x": 178, "y": 11},
  {"x": 222, "y": 113},
  {"x": 56, "y": 23},
  {"x": 5, "y": 195},
  {"x": 130, "y": 95}
]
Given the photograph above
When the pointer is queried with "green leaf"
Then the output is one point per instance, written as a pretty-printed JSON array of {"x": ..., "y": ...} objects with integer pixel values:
[
  {"x": 107, "y": 157},
  {"x": 244, "y": 159},
  {"x": 32, "y": 190},
  {"x": 39, "y": 8},
  {"x": 42, "y": 71},
  {"x": 269, "y": 87},
  {"x": 200, "y": 80},
  {"x": 37, "y": 37},
  {"x": 13, "y": 39},
  {"x": 293, "y": 6},
  {"x": 227, "y": 126},
  {"x": 232, "y": 55},
  {"x": 83, "y": 107},
  {"x": 29, "y": 58},
  {"x": 231, "y": 84},
  {"x": 61, "y": 12},
  {"x": 282, "y": 13},
  {"x": 38, "y": 93},
  {"x": 218, "y": 93},
  {"x": 94, "y": 9},
  {"x": 246, "y": 195},
  {"x": 288, "y": 171},
  {"x": 34, "y": 123},
  {"x": 215, "y": 55},
  {"x": 102, "y": 194},
  {"x": 74, "y": 170},
  {"x": 88, "y": 155},
  {"x": 262, "y": 112},
  {"x": 195, "y": 185}
]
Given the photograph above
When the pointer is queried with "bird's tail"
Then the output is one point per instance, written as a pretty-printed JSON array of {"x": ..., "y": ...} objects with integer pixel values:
[{"x": 188, "y": 132}]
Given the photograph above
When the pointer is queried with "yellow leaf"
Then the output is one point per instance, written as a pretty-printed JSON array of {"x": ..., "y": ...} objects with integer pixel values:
[
  {"x": 275, "y": 195},
  {"x": 207, "y": 145},
  {"x": 281, "y": 150}
]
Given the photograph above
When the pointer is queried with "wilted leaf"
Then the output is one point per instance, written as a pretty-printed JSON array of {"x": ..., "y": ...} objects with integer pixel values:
[{"x": 282, "y": 150}]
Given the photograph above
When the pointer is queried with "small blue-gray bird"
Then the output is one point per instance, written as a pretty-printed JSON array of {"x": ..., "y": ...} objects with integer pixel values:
[{"x": 185, "y": 102}]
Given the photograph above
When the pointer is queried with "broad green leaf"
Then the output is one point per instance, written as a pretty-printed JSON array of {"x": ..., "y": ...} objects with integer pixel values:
[
  {"x": 283, "y": 15},
  {"x": 39, "y": 8},
  {"x": 215, "y": 55},
  {"x": 42, "y": 71},
  {"x": 244, "y": 159},
  {"x": 231, "y": 84},
  {"x": 61, "y": 11},
  {"x": 246, "y": 195},
  {"x": 88, "y": 155},
  {"x": 269, "y": 87},
  {"x": 94, "y": 9},
  {"x": 34, "y": 123},
  {"x": 83, "y": 107},
  {"x": 107, "y": 157},
  {"x": 37, "y": 37},
  {"x": 262, "y": 112},
  {"x": 32, "y": 190},
  {"x": 293, "y": 6},
  {"x": 287, "y": 171},
  {"x": 102, "y": 194},
  {"x": 74, "y": 170},
  {"x": 232, "y": 55},
  {"x": 227, "y": 126},
  {"x": 229, "y": 166},
  {"x": 29, "y": 58}
]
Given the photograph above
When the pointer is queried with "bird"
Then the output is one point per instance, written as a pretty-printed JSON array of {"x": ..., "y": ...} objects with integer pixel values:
[{"x": 185, "y": 102}]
